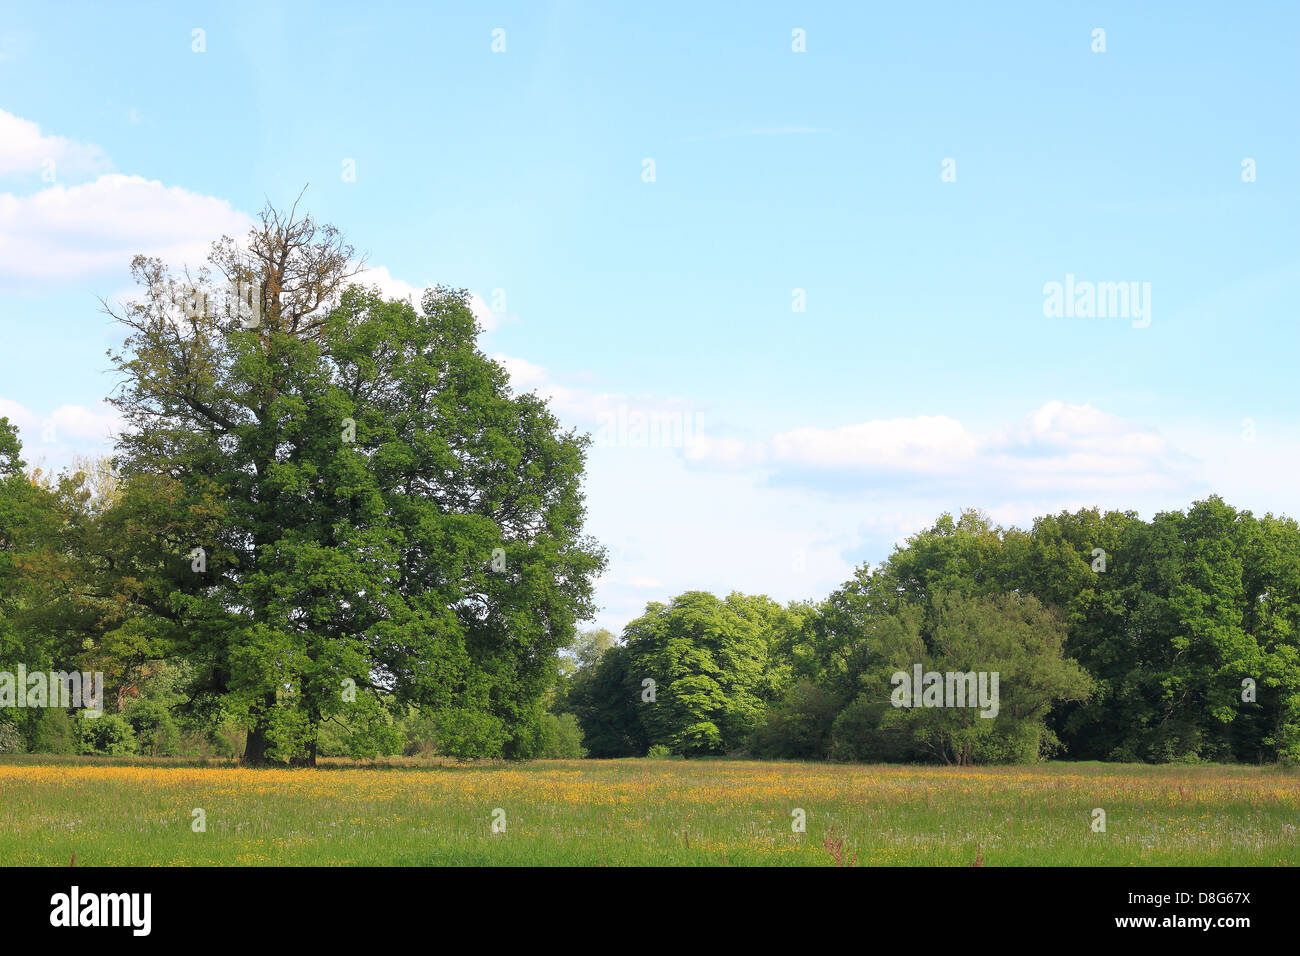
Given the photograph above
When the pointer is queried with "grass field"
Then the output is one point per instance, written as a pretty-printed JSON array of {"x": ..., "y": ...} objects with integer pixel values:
[{"x": 138, "y": 812}]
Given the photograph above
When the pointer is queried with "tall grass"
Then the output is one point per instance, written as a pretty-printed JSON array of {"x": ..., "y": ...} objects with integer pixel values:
[{"x": 413, "y": 812}]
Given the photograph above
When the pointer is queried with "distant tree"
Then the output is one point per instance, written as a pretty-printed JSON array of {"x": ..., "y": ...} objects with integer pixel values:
[
  {"x": 1191, "y": 606},
  {"x": 799, "y": 726},
  {"x": 587, "y": 648},
  {"x": 35, "y": 569},
  {"x": 110, "y": 734},
  {"x": 15, "y": 504},
  {"x": 560, "y": 738},
  {"x": 1012, "y": 636},
  {"x": 605, "y": 699},
  {"x": 965, "y": 556},
  {"x": 55, "y": 732},
  {"x": 708, "y": 659},
  {"x": 12, "y": 740},
  {"x": 576, "y": 669}
]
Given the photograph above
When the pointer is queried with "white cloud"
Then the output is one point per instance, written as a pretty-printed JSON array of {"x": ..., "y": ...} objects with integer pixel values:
[
  {"x": 607, "y": 413},
  {"x": 75, "y": 422},
  {"x": 66, "y": 233},
  {"x": 80, "y": 424},
  {"x": 54, "y": 438},
  {"x": 1057, "y": 447},
  {"x": 393, "y": 288},
  {"x": 926, "y": 443},
  {"x": 390, "y": 287},
  {"x": 524, "y": 375},
  {"x": 726, "y": 451},
  {"x": 1057, "y": 425},
  {"x": 74, "y": 232},
  {"x": 16, "y": 413},
  {"x": 486, "y": 317},
  {"x": 25, "y": 149}
]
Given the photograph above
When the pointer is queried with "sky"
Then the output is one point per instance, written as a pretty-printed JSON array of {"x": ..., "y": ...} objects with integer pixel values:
[{"x": 816, "y": 244}]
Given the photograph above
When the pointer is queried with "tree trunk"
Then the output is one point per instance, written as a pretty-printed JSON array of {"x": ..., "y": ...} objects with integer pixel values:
[
  {"x": 308, "y": 760},
  {"x": 255, "y": 747}
]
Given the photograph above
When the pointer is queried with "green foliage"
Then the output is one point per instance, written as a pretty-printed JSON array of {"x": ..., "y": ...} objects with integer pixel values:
[
  {"x": 1183, "y": 610},
  {"x": 348, "y": 466},
  {"x": 1010, "y": 635},
  {"x": 560, "y": 738},
  {"x": 468, "y": 733},
  {"x": 709, "y": 660},
  {"x": 1190, "y": 606},
  {"x": 1113, "y": 638},
  {"x": 365, "y": 730},
  {"x": 11, "y": 449},
  {"x": 35, "y": 564},
  {"x": 587, "y": 649},
  {"x": 606, "y": 697},
  {"x": 799, "y": 726},
  {"x": 860, "y": 733},
  {"x": 55, "y": 732},
  {"x": 714, "y": 665},
  {"x": 109, "y": 734},
  {"x": 226, "y": 740},
  {"x": 157, "y": 733}
]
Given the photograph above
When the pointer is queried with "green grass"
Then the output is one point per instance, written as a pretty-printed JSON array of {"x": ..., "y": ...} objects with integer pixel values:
[{"x": 405, "y": 812}]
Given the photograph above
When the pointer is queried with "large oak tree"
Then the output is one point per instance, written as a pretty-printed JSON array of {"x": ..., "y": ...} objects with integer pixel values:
[{"x": 354, "y": 512}]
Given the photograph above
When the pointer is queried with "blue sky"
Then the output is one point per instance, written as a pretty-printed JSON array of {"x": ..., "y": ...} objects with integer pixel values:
[{"x": 923, "y": 374}]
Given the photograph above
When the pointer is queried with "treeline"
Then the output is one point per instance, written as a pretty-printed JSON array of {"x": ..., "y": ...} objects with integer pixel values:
[
  {"x": 1112, "y": 638},
  {"x": 330, "y": 526}
]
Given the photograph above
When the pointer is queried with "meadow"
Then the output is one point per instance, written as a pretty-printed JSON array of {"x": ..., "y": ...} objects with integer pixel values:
[{"x": 114, "y": 812}]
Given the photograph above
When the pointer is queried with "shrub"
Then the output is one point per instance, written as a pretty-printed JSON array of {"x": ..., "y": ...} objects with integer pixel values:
[
  {"x": 155, "y": 729},
  {"x": 799, "y": 726},
  {"x": 419, "y": 745},
  {"x": 227, "y": 740},
  {"x": 362, "y": 732},
  {"x": 658, "y": 752},
  {"x": 860, "y": 733},
  {"x": 110, "y": 734},
  {"x": 464, "y": 733},
  {"x": 560, "y": 738},
  {"x": 55, "y": 733}
]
